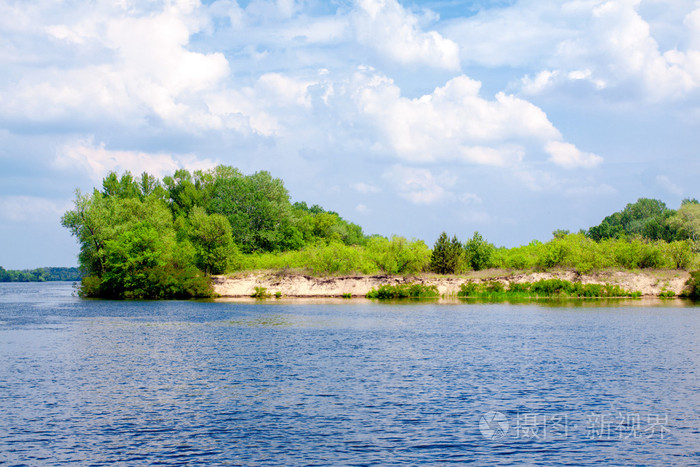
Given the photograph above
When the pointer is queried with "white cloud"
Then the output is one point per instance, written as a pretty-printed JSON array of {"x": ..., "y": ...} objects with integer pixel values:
[
  {"x": 540, "y": 82},
  {"x": 30, "y": 208},
  {"x": 630, "y": 48},
  {"x": 145, "y": 64},
  {"x": 365, "y": 188},
  {"x": 569, "y": 156},
  {"x": 452, "y": 123},
  {"x": 395, "y": 32},
  {"x": 97, "y": 161},
  {"x": 515, "y": 36},
  {"x": 362, "y": 209},
  {"x": 668, "y": 185},
  {"x": 419, "y": 186}
]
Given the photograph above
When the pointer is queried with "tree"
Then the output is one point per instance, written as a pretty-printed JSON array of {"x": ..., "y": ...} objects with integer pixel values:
[
  {"x": 646, "y": 218},
  {"x": 686, "y": 222},
  {"x": 211, "y": 238},
  {"x": 89, "y": 222},
  {"x": 259, "y": 211},
  {"x": 446, "y": 255},
  {"x": 128, "y": 247},
  {"x": 479, "y": 252}
]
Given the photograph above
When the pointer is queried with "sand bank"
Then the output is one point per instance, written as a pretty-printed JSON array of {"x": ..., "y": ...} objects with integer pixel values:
[{"x": 649, "y": 283}]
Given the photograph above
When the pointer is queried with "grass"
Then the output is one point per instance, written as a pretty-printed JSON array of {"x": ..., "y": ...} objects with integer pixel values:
[
  {"x": 547, "y": 288},
  {"x": 413, "y": 290},
  {"x": 260, "y": 292}
]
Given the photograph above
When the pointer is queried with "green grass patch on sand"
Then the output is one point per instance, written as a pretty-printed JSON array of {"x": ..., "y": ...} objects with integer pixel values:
[
  {"x": 547, "y": 288},
  {"x": 386, "y": 291}
]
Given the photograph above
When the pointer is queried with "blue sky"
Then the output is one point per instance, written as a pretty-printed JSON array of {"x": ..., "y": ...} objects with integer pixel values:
[{"x": 513, "y": 118}]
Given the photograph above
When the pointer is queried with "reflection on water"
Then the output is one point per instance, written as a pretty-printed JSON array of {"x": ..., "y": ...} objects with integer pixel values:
[{"x": 353, "y": 381}]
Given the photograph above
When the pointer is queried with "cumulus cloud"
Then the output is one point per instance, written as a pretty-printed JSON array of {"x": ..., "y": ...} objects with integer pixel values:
[
  {"x": 616, "y": 46},
  {"x": 569, "y": 156},
  {"x": 146, "y": 64},
  {"x": 454, "y": 123},
  {"x": 420, "y": 186},
  {"x": 396, "y": 33},
  {"x": 97, "y": 161}
]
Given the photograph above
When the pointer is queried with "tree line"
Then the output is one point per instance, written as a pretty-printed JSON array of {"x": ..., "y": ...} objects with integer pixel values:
[
  {"x": 141, "y": 237},
  {"x": 40, "y": 275}
]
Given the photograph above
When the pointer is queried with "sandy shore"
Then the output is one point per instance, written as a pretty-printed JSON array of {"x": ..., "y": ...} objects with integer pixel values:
[{"x": 649, "y": 283}]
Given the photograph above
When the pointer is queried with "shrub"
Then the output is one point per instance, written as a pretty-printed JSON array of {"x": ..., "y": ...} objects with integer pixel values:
[
  {"x": 398, "y": 255},
  {"x": 692, "y": 289},
  {"x": 413, "y": 290},
  {"x": 260, "y": 292}
]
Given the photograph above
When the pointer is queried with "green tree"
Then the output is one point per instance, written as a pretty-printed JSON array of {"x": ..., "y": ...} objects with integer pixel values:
[
  {"x": 479, "y": 252},
  {"x": 182, "y": 192},
  {"x": 211, "y": 238},
  {"x": 686, "y": 222},
  {"x": 447, "y": 255},
  {"x": 259, "y": 211},
  {"x": 128, "y": 248},
  {"x": 646, "y": 218}
]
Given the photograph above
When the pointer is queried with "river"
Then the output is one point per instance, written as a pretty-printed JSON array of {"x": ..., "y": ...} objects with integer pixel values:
[{"x": 329, "y": 382}]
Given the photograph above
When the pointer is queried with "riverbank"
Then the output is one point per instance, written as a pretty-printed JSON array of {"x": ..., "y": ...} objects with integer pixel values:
[{"x": 651, "y": 283}]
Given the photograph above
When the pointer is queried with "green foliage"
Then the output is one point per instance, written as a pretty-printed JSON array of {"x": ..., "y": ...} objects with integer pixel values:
[
  {"x": 318, "y": 226},
  {"x": 40, "y": 275},
  {"x": 479, "y": 252},
  {"x": 260, "y": 292},
  {"x": 447, "y": 255},
  {"x": 211, "y": 237},
  {"x": 128, "y": 247},
  {"x": 686, "y": 221},
  {"x": 335, "y": 258},
  {"x": 647, "y": 218},
  {"x": 667, "y": 294},
  {"x": 576, "y": 251},
  {"x": 542, "y": 289},
  {"x": 347, "y": 295},
  {"x": 398, "y": 255},
  {"x": 259, "y": 211},
  {"x": 413, "y": 290},
  {"x": 692, "y": 286}
]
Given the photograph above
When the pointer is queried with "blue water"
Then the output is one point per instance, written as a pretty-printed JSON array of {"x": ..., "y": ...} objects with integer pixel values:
[{"x": 345, "y": 382}]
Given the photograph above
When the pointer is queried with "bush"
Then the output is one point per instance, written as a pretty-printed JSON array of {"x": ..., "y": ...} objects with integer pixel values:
[
  {"x": 260, "y": 292},
  {"x": 398, "y": 255},
  {"x": 692, "y": 289},
  {"x": 543, "y": 289},
  {"x": 414, "y": 290}
]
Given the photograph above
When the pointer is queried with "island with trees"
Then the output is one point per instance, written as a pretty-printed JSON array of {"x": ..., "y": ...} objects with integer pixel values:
[{"x": 187, "y": 234}]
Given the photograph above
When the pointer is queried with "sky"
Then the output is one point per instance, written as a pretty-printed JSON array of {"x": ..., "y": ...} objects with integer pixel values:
[{"x": 511, "y": 118}]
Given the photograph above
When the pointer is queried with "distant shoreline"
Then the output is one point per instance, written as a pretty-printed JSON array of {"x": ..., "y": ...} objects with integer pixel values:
[{"x": 651, "y": 283}]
